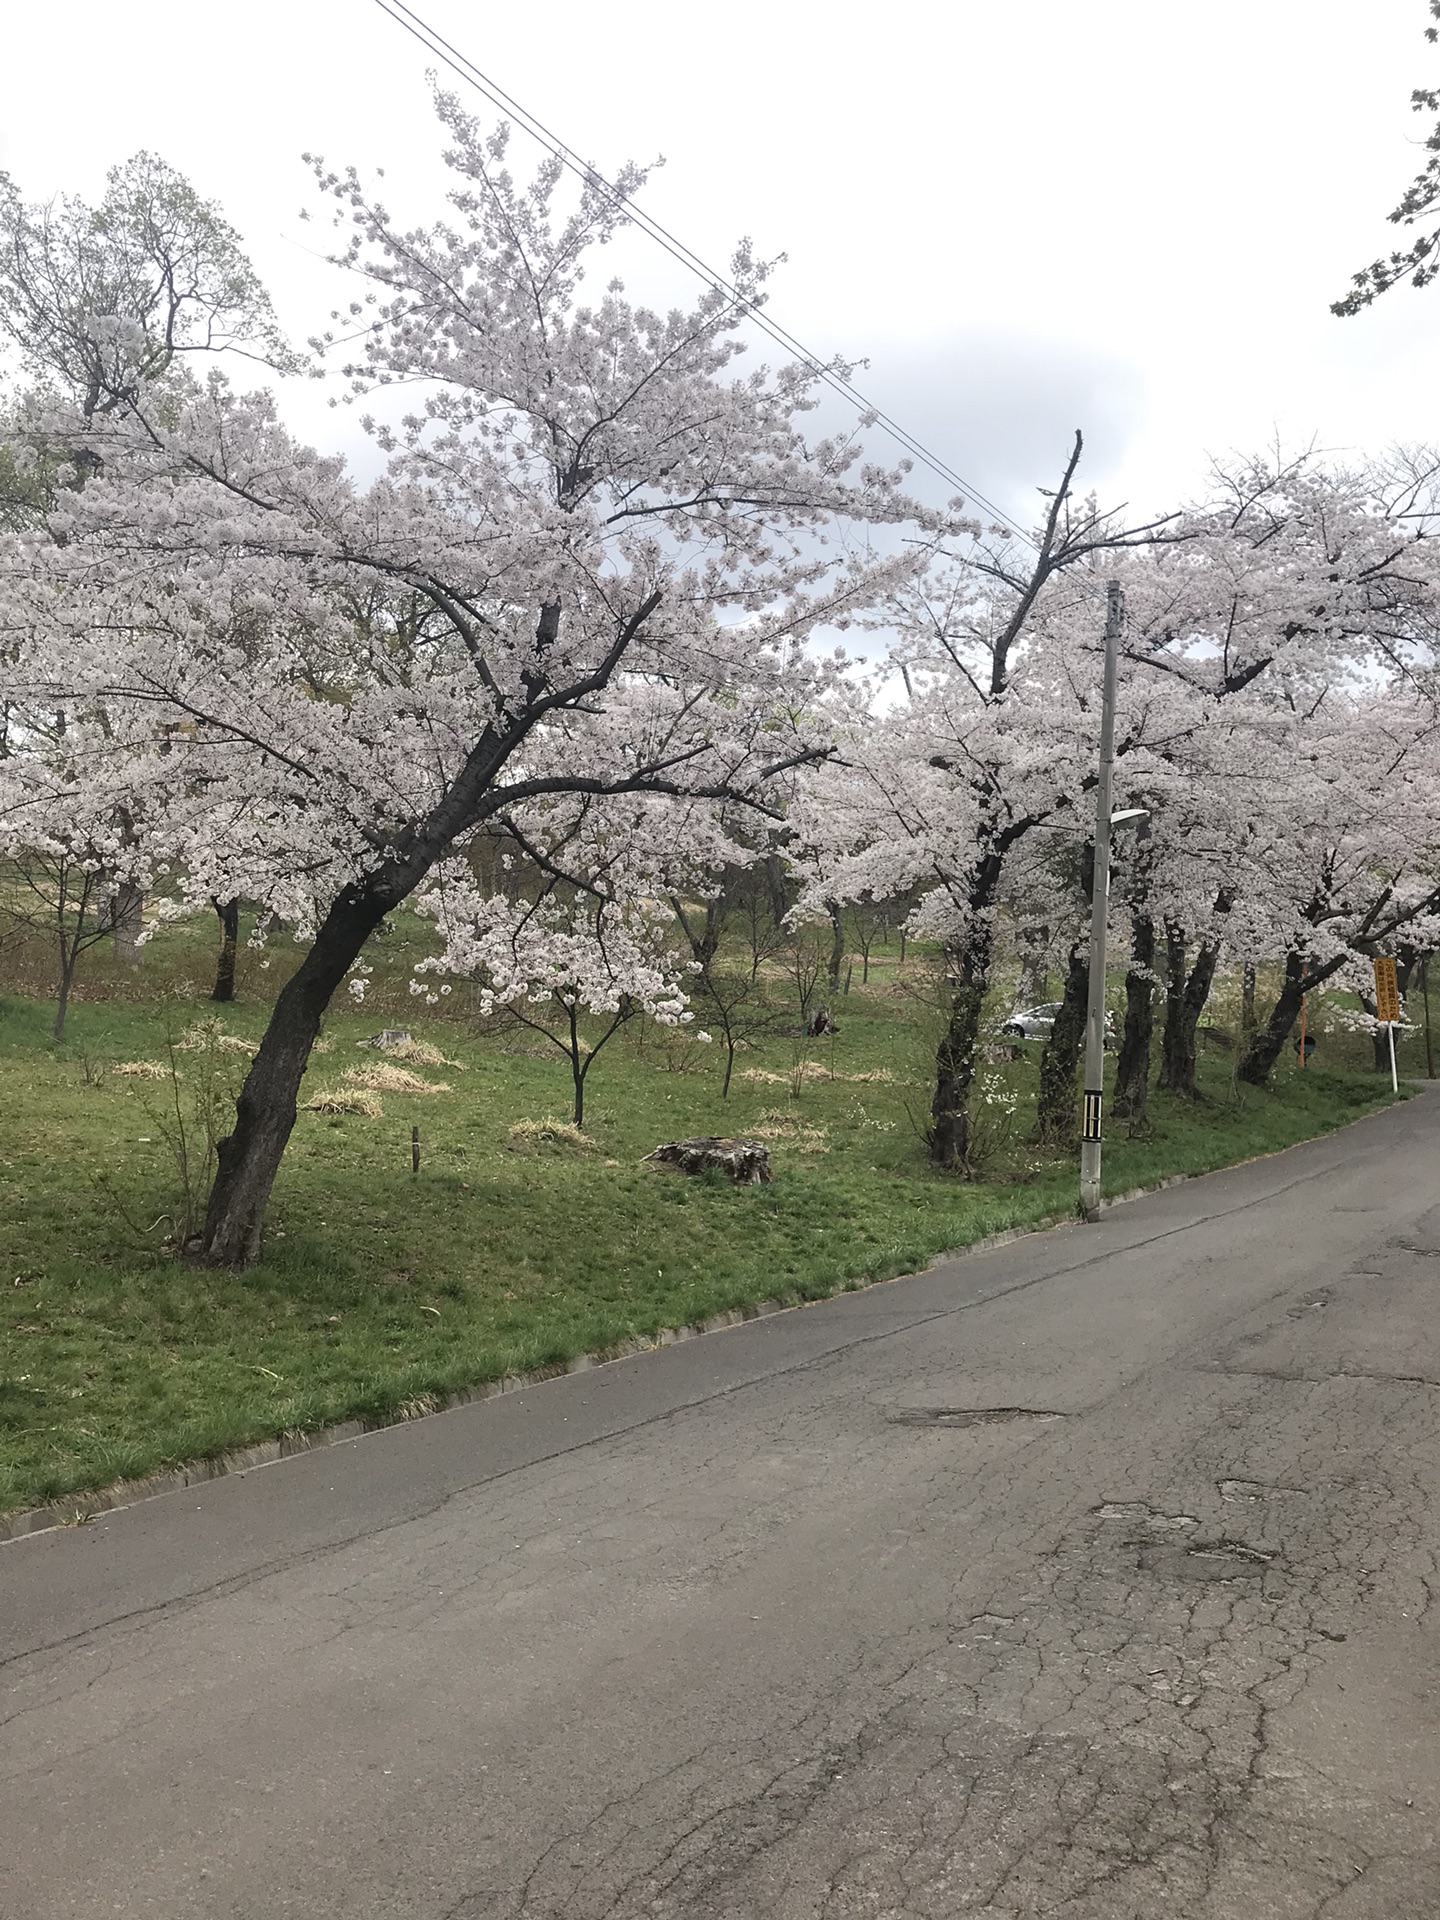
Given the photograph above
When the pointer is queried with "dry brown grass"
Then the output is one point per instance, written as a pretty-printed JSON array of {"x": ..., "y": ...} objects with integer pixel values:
[
  {"x": 142, "y": 1069},
  {"x": 385, "y": 1078},
  {"x": 420, "y": 1053},
  {"x": 812, "y": 1070},
  {"x": 785, "y": 1127},
  {"x": 351, "y": 1100},
  {"x": 210, "y": 1033},
  {"x": 539, "y": 1136}
]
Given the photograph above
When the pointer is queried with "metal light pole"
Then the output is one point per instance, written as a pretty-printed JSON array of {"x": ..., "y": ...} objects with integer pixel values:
[{"x": 1099, "y": 912}]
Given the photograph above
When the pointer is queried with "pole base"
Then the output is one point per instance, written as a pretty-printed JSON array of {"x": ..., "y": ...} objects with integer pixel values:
[{"x": 1090, "y": 1179}]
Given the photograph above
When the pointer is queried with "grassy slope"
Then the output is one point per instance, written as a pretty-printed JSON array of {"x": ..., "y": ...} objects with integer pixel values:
[{"x": 380, "y": 1288}]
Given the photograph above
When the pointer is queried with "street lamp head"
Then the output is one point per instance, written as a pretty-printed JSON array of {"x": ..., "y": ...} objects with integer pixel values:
[{"x": 1130, "y": 817}]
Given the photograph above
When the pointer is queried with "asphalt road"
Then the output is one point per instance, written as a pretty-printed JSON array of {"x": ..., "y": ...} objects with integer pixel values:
[{"x": 764, "y": 1626}]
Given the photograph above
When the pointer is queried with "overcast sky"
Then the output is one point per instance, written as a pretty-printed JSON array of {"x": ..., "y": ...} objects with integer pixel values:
[{"x": 1120, "y": 215}]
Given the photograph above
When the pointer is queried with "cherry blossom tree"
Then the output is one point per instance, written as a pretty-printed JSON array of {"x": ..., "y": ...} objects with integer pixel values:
[
  {"x": 591, "y": 567},
  {"x": 566, "y": 956},
  {"x": 573, "y": 929},
  {"x": 1419, "y": 203},
  {"x": 74, "y": 841},
  {"x": 1359, "y": 873},
  {"x": 992, "y": 743},
  {"x": 1293, "y": 592}
]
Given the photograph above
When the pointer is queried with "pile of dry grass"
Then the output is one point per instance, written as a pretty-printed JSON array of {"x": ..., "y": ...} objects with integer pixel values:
[
  {"x": 540, "y": 1136},
  {"x": 385, "y": 1078},
  {"x": 142, "y": 1069},
  {"x": 420, "y": 1053},
  {"x": 784, "y": 1125},
  {"x": 805, "y": 1070},
  {"x": 210, "y": 1033},
  {"x": 344, "y": 1100}
]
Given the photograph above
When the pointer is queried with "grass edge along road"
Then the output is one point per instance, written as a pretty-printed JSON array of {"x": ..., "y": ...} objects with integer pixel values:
[{"x": 382, "y": 1296}]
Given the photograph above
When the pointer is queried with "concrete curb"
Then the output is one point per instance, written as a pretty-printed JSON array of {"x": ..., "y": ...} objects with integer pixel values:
[{"x": 76, "y": 1509}]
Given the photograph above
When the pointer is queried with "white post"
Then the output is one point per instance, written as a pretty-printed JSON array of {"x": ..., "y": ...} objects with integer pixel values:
[
  {"x": 1099, "y": 913},
  {"x": 1394, "y": 1083}
]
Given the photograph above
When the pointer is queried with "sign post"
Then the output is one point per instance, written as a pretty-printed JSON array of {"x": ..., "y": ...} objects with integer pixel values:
[{"x": 1387, "y": 1006}]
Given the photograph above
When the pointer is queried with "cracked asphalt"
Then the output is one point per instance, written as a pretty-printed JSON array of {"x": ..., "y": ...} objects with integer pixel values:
[{"x": 765, "y": 1624}]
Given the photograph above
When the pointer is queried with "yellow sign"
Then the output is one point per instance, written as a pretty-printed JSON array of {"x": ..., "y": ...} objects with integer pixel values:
[{"x": 1387, "y": 990}]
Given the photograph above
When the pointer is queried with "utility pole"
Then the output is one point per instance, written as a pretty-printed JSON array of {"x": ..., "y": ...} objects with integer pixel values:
[{"x": 1099, "y": 914}]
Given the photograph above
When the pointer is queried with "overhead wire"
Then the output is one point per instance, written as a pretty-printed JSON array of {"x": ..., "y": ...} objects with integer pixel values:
[{"x": 465, "y": 68}]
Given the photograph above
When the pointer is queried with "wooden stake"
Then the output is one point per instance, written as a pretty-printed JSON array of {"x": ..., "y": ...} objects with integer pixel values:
[{"x": 414, "y": 1149}]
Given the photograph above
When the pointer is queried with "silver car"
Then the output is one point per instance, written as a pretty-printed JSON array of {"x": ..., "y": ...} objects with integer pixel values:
[{"x": 1034, "y": 1023}]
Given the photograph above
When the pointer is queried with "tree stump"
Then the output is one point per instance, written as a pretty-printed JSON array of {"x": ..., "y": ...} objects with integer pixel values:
[{"x": 744, "y": 1162}]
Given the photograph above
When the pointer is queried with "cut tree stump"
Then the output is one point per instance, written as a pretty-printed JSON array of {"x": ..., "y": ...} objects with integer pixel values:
[{"x": 745, "y": 1162}]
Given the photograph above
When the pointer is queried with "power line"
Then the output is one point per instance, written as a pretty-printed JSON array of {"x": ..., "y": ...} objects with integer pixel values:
[{"x": 458, "y": 63}]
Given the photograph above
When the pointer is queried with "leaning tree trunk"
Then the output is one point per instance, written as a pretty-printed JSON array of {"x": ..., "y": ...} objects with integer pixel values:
[
  {"x": 837, "y": 947},
  {"x": 229, "y": 912},
  {"x": 1267, "y": 1041},
  {"x": 1132, "y": 1069},
  {"x": 955, "y": 1055},
  {"x": 1055, "y": 1109},
  {"x": 249, "y": 1158},
  {"x": 127, "y": 922}
]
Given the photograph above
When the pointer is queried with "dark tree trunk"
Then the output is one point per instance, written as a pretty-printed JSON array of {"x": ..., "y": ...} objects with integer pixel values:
[
  {"x": 62, "y": 998},
  {"x": 1264, "y": 1049},
  {"x": 578, "y": 1064},
  {"x": 837, "y": 946},
  {"x": 1379, "y": 1039},
  {"x": 1132, "y": 1070},
  {"x": 1185, "y": 997},
  {"x": 1266, "y": 1043},
  {"x": 1056, "y": 1106},
  {"x": 229, "y": 912},
  {"x": 1175, "y": 956},
  {"x": 69, "y": 950},
  {"x": 955, "y": 1055},
  {"x": 248, "y": 1159},
  {"x": 1247, "y": 1003}
]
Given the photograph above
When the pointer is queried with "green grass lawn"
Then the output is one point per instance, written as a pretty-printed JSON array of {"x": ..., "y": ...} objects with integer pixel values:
[{"x": 381, "y": 1289}]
